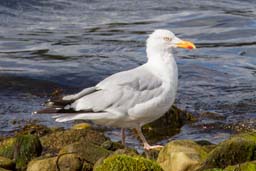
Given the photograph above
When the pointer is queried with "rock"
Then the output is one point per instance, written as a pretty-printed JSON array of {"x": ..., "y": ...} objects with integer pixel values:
[
  {"x": 127, "y": 151},
  {"x": 168, "y": 125},
  {"x": 21, "y": 148},
  {"x": 204, "y": 143},
  {"x": 109, "y": 145},
  {"x": 237, "y": 149},
  {"x": 211, "y": 116},
  {"x": 125, "y": 163},
  {"x": 81, "y": 126},
  {"x": 242, "y": 126},
  {"x": 42, "y": 164},
  {"x": 181, "y": 155},
  {"x": 2, "y": 169},
  {"x": 7, "y": 147},
  {"x": 34, "y": 129},
  {"x": 208, "y": 146},
  {"x": 26, "y": 148},
  {"x": 248, "y": 166},
  {"x": 65, "y": 162},
  {"x": 87, "y": 167},
  {"x": 6, "y": 163},
  {"x": 87, "y": 151},
  {"x": 53, "y": 142}
]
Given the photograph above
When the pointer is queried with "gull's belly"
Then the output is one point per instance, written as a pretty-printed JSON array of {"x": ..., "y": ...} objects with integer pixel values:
[{"x": 147, "y": 114}]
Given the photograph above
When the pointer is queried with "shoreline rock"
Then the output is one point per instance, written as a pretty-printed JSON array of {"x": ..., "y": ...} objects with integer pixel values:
[
  {"x": 21, "y": 149},
  {"x": 181, "y": 155},
  {"x": 82, "y": 148},
  {"x": 237, "y": 149},
  {"x": 124, "y": 163},
  {"x": 6, "y": 163}
]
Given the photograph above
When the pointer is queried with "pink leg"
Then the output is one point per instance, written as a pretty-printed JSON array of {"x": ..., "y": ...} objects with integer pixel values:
[
  {"x": 145, "y": 143},
  {"x": 123, "y": 135}
]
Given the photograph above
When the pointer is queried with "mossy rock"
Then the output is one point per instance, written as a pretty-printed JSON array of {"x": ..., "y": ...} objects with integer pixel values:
[
  {"x": 247, "y": 166},
  {"x": 86, "y": 151},
  {"x": 181, "y": 155},
  {"x": 21, "y": 148},
  {"x": 7, "y": 147},
  {"x": 127, "y": 163},
  {"x": 2, "y": 169},
  {"x": 6, "y": 163},
  {"x": 87, "y": 166},
  {"x": 109, "y": 145},
  {"x": 66, "y": 162},
  {"x": 214, "y": 169},
  {"x": 34, "y": 129},
  {"x": 53, "y": 142},
  {"x": 237, "y": 149},
  {"x": 26, "y": 148},
  {"x": 126, "y": 151}
]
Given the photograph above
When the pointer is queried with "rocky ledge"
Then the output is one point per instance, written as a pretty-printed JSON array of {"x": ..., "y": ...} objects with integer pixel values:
[{"x": 82, "y": 148}]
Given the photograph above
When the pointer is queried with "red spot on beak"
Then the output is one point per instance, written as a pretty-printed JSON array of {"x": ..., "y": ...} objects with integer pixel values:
[{"x": 190, "y": 47}]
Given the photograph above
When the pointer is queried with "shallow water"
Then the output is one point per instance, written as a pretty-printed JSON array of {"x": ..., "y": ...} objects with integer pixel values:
[{"x": 49, "y": 44}]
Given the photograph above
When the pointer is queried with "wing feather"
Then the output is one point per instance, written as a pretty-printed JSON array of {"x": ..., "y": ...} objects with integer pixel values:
[{"x": 121, "y": 92}]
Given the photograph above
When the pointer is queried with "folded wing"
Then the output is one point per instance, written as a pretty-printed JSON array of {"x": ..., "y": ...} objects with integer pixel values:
[{"x": 113, "y": 97}]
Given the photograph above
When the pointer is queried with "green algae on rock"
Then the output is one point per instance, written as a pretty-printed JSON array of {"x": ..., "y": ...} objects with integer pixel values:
[
  {"x": 2, "y": 169},
  {"x": 214, "y": 169},
  {"x": 127, "y": 163},
  {"x": 238, "y": 149},
  {"x": 53, "y": 142},
  {"x": 34, "y": 129},
  {"x": 126, "y": 151},
  {"x": 181, "y": 155},
  {"x": 86, "y": 151},
  {"x": 6, "y": 163},
  {"x": 7, "y": 147},
  {"x": 247, "y": 166},
  {"x": 109, "y": 145},
  {"x": 26, "y": 148},
  {"x": 21, "y": 148}
]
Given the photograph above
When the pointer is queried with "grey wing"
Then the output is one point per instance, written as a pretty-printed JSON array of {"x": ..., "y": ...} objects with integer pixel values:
[{"x": 121, "y": 92}]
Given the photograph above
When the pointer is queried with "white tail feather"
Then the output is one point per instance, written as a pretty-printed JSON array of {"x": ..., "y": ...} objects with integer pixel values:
[{"x": 83, "y": 116}]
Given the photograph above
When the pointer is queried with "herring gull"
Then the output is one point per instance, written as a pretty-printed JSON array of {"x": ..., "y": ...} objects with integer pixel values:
[{"x": 129, "y": 99}]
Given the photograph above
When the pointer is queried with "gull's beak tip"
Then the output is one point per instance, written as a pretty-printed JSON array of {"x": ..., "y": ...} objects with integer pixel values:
[{"x": 186, "y": 45}]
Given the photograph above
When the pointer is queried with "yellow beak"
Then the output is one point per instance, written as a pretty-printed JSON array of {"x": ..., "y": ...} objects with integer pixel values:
[{"x": 186, "y": 45}]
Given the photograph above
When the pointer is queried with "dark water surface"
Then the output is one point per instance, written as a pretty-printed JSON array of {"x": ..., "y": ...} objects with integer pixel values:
[{"x": 49, "y": 44}]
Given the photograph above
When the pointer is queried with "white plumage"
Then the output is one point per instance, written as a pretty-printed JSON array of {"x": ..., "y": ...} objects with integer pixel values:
[{"x": 133, "y": 98}]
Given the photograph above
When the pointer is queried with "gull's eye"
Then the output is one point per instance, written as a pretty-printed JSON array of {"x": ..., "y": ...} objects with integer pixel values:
[{"x": 167, "y": 39}]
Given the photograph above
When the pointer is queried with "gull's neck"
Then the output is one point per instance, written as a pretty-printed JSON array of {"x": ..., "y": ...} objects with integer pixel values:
[
  {"x": 159, "y": 56},
  {"x": 162, "y": 61}
]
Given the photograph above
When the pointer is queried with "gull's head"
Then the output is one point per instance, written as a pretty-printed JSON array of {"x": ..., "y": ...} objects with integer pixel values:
[{"x": 166, "y": 40}]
